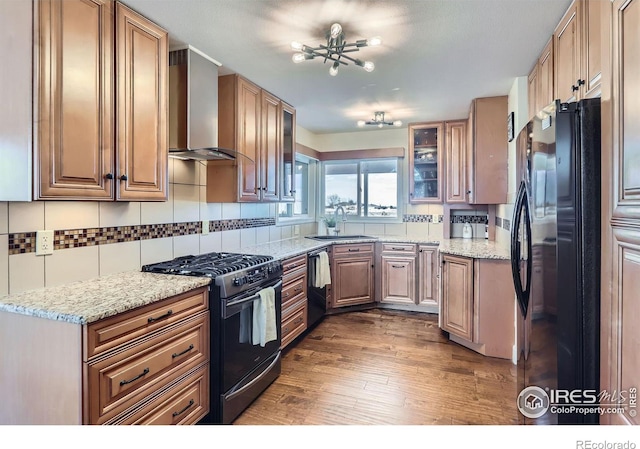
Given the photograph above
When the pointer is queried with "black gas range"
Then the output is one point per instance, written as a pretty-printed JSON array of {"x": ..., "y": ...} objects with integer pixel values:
[{"x": 241, "y": 366}]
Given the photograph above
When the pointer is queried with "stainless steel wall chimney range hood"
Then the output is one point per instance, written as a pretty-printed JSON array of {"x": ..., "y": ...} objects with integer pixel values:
[{"x": 193, "y": 107}]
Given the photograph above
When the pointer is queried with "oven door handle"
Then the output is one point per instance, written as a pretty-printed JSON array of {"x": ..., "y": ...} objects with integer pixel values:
[
  {"x": 230, "y": 396},
  {"x": 231, "y": 308}
]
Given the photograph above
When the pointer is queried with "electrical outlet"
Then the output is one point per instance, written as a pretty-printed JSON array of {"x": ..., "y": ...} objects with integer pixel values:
[
  {"x": 205, "y": 227},
  {"x": 44, "y": 243}
]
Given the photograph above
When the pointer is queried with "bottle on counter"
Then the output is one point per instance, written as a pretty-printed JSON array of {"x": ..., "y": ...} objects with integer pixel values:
[
  {"x": 486, "y": 231},
  {"x": 467, "y": 231}
]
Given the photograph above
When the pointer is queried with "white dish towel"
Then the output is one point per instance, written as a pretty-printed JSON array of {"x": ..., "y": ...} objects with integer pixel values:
[
  {"x": 264, "y": 317},
  {"x": 322, "y": 274}
]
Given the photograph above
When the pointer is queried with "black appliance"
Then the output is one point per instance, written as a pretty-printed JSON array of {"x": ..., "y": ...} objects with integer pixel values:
[
  {"x": 240, "y": 370},
  {"x": 317, "y": 296},
  {"x": 555, "y": 252}
]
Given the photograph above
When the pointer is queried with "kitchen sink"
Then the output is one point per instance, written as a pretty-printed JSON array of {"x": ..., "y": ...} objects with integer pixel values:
[{"x": 340, "y": 237}]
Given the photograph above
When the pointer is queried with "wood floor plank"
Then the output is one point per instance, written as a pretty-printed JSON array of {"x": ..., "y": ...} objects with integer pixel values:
[{"x": 385, "y": 367}]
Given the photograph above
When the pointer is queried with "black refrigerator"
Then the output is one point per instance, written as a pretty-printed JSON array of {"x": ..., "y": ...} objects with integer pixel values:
[{"x": 555, "y": 258}]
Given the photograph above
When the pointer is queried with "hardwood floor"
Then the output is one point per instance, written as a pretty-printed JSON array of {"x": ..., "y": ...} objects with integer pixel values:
[{"x": 385, "y": 367}]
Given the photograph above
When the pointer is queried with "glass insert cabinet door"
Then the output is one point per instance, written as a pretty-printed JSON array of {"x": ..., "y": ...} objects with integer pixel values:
[{"x": 426, "y": 143}]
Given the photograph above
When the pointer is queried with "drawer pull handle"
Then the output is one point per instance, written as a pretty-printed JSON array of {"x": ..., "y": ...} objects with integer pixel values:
[
  {"x": 397, "y": 249},
  {"x": 354, "y": 250},
  {"x": 191, "y": 402},
  {"x": 298, "y": 288},
  {"x": 397, "y": 266},
  {"x": 152, "y": 319},
  {"x": 299, "y": 320},
  {"x": 286, "y": 294},
  {"x": 293, "y": 265},
  {"x": 125, "y": 382},
  {"x": 178, "y": 354},
  {"x": 286, "y": 329}
]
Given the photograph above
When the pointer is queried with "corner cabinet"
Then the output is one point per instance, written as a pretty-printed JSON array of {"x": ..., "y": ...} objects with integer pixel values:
[
  {"x": 255, "y": 123},
  {"x": 100, "y": 102},
  {"x": 398, "y": 273},
  {"x": 426, "y": 160}
]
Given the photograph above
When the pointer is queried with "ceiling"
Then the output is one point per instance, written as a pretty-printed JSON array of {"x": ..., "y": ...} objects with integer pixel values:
[{"x": 435, "y": 57}]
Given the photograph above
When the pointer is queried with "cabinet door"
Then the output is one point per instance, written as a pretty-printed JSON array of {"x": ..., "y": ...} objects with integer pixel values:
[
  {"x": 73, "y": 83},
  {"x": 456, "y": 161},
  {"x": 457, "y": 296},
  {"x": 592, "y": 47},
  {"x": 288, "y": 189},
  {"x": 532, "y": 92},
  {"x": 142, "y": 65},
  {"x": 545, "y": 77},
  {"x": 352, "y": 280},
  {"x": 270, "y": 151},
  {"x": 426, "y": 162},
  {"x": 398, "y": 279},
  {"x": 567, "y": 39},
  {"x": 248, "y": 129},
  {"x": 427, "y": 275}
]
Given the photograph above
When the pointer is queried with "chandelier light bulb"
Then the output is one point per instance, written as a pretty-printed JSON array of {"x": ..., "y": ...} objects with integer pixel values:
[
  {"x": 296, "y": 45},
  {"x": 336, "y": 30},
  {"x": 360, "y": 122},
  {"x": 369, "y": 66},
  {"x": 298, "y": 58},
  {"x": 374, "y": 41},
  {"x": 397, "y": 123},
  {"x": 333, "y": 71}
]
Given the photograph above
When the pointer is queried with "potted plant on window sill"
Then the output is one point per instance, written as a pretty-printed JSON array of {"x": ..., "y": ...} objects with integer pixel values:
[{"x": 330, "y": 223}]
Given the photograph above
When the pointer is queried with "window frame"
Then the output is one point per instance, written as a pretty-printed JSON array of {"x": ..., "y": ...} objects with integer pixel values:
[{"x": 320, "y": 212}]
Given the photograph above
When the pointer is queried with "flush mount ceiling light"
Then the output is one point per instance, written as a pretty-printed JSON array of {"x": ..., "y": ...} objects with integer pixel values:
[
  {"x": 335, "y": 49},
  {"x": 379, "y": 120}
]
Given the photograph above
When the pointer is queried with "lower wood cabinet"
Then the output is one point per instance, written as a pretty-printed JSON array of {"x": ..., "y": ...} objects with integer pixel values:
[
  {"x": 427, "y": 275},
  {"x": 352, "y": 276},
  {"x": 294, "y": 298},
  {"x": 149, "y": 365},
  {"x": 478, "y": 305}
]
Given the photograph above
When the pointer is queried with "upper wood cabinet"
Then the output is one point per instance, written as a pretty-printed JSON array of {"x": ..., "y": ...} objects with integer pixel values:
[
  {"x": 577, "y": 52},
  {"x": 456, "y": 161},
  {"x": 251, "y": 121},
  {"x": 532, "y": 91},
  {"x": 81, "y": 105},
  {"x": 287, "y": 168},
  {"x": 426, "y": 161},
  {"x": 544, "y": 92},
  {"x": 487, "y": 151}
]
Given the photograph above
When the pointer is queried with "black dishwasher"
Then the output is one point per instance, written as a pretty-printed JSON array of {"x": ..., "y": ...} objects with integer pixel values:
[{"x": 317, "y": 296}]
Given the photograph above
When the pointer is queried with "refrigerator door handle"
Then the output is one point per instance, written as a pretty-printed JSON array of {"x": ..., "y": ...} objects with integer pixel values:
[{"x": 522, "y": 292}]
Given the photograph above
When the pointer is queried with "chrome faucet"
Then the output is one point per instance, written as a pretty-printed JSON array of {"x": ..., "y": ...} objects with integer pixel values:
[{"x": 335, "y": 216}]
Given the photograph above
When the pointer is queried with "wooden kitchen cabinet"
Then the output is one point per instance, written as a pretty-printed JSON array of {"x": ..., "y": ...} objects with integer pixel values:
[
  {"x": 475, "y": 312},
  {"x": 428, "y": 275},
  {"x": 577, "y": 46},
  {"x": 352, "y": 274},
  {"x": 145, "y": 365},
  {"x": 83, "y": 105},
  {"x": 398, "y": 273},
  {"x": 456, "y": 161},
  {"x": 294, "y": 298},
  {"x": 426, "y": 162},
  {"x": 457, "y": 296},
  {"x": 541, "y": 81},
  {"x": 251, "y": 121},
  {"x": 287, "y": 168},
  {"x": 487, "y": 151}
]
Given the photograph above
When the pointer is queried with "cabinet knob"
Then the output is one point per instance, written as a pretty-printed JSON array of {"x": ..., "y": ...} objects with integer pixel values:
[
  {"x": 123, "y": 178},
  {"x": 468, "y": 192},
  {"x": 109, "y": 176},
  {"x": 580, "y": 82},
  {"x": 574, "y": 88}
]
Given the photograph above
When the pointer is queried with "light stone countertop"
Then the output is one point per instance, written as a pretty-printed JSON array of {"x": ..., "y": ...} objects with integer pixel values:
[
  {"x": 88, "y": 301},
  {"x": 475, "y": 248}
]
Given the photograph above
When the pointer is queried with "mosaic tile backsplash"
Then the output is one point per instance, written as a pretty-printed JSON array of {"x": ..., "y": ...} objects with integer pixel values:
[
  {"x": 421, "y": 218},
  {"x": 25, "y": 242}
]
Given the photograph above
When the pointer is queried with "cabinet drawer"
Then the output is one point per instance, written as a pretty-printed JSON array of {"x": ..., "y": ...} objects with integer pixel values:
[
  {"x": 122, "y": 380},
  {"x": 399, "y": 247},
  {"x": 111, "y": 332},
  {"x": 294, "y": 263},
  {"x": 294, "y": 290},
  {"x": 184, "y": 403},
  {"x": 350, "y": 249},
  {"x": 294, "y": 325}
]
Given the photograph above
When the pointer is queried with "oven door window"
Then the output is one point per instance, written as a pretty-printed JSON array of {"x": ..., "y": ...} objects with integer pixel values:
[{"x": 240, "y": 355}]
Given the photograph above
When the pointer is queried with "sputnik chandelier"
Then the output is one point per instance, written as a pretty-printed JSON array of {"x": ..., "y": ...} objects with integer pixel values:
[
  {"x": 335, "y": 50},
  {"x": 379, "y": 120}
]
